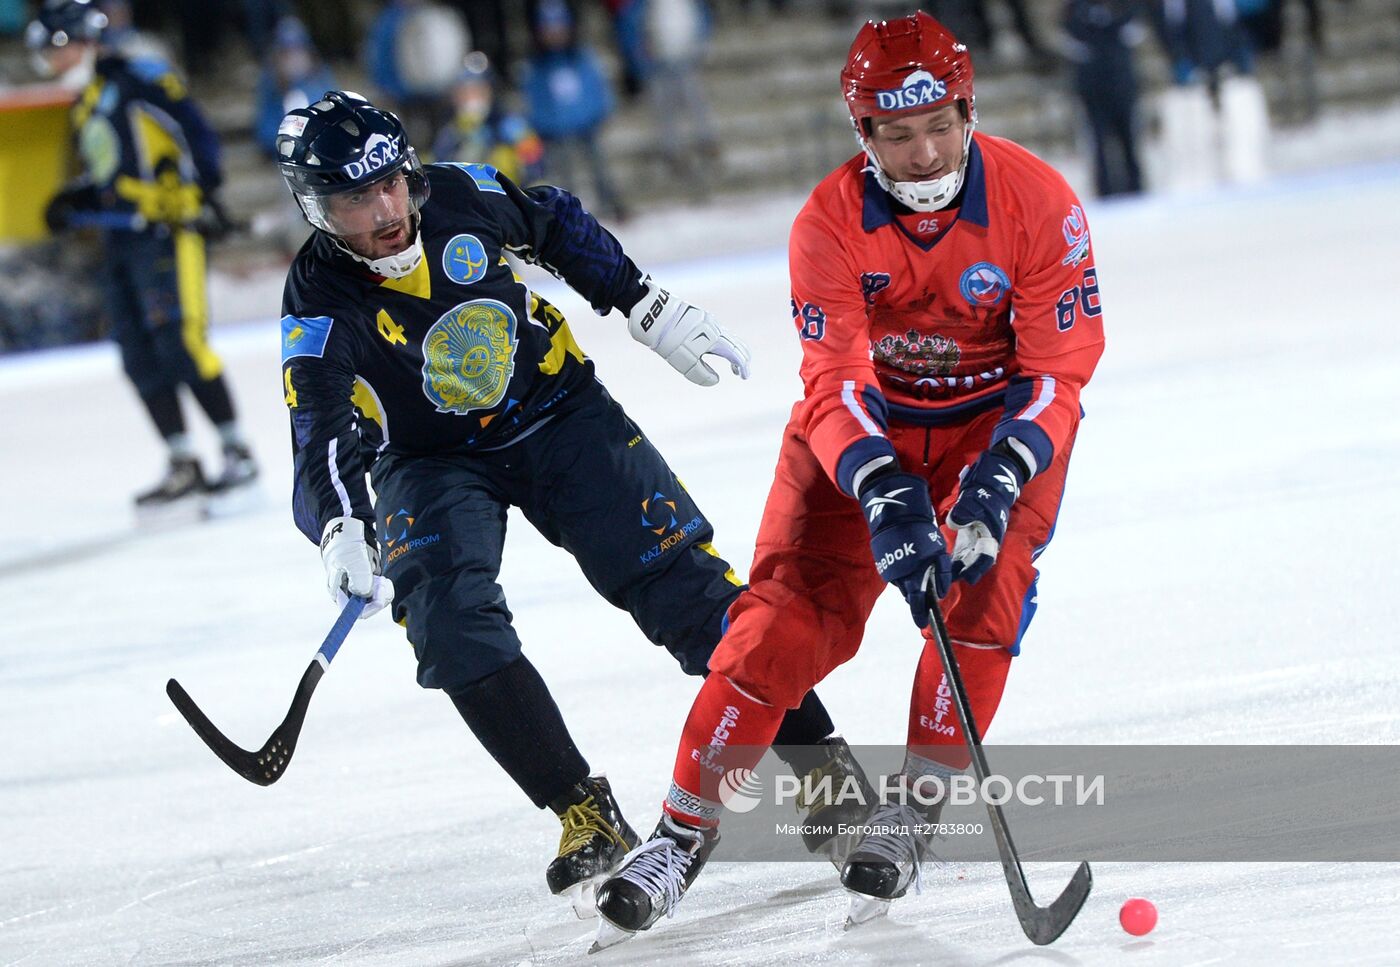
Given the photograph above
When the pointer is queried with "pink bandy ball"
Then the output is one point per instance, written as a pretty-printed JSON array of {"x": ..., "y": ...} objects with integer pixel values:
[{"x": 1138, "y": 916}]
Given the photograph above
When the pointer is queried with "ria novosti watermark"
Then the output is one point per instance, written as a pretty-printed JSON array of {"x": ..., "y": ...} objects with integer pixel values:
[
  {"x": 955, "y": 790},
  {"x": 1102, "y": 803},
  {"x": 741, "y": 790}
]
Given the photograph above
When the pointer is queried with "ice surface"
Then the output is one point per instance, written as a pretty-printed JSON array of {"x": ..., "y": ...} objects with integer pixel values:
[{"x": 1224, "y": 572}]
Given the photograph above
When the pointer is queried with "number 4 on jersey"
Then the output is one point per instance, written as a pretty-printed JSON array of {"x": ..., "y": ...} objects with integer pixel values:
[{"x": 392, "y": 331}]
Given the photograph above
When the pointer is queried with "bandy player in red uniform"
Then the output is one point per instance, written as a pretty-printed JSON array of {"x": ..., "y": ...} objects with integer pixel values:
[{"x": 944, "y": 289}]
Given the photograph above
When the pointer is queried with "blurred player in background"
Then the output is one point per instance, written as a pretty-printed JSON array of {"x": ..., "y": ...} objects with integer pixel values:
[
  {"x": 413, "y": 351},
  {"x": 1100, "y": 37},
  {"x": 945, "y": 295},
  {"x": 150, "y": 167}
]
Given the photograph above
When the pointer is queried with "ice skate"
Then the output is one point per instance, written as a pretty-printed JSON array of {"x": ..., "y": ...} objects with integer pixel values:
[
  {"x": 864, "y": 908},
  {"x": 234, "y": 491},
  {"x": 240, "y": 469},
  {"x": 886, "y": 861},
  {"x": 834, "y": 793},
  {"x": 178, "y": 498},
  {"x": 183, "y": 478},
  {"x": 651, "y": 880},
  {"x": 594, "y": 841}
]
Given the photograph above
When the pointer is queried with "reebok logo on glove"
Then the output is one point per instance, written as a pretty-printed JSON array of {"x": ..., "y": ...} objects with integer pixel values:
[
  {"x": 894, "y": 556},
  {"x": 876, "y": 505},
  {"x": 905, "y": 543},
  {"x": 1008, "y": 480}
]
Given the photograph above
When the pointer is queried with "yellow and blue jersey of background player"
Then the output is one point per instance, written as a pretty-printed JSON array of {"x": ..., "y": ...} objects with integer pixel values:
[
  {"x": 144, "y": 146},
  {"x": 459, "y": 355}
]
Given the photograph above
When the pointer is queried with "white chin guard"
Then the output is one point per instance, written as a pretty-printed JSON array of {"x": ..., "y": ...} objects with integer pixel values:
[
  {"x": 391, "y": 266},
  {"x": 922, "y": 196}
]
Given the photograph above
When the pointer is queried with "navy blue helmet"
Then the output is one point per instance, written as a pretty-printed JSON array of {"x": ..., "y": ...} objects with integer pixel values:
[
  {"x": 339, "y": 144},
  {"x": 62, "y": 22}
]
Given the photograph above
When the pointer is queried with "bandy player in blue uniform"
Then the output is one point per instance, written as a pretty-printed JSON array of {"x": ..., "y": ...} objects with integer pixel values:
[
  {"x": 150, "y": 170},
  {"x": 412, "y": 351}
]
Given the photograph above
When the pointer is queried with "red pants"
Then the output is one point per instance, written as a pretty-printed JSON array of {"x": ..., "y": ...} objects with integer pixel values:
[{"x": 813, "y": 582}]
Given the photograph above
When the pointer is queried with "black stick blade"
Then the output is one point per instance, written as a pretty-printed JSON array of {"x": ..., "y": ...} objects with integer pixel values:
[
  {"x": 1043, "y": 925},
  {"x": 269, "y": 763}
]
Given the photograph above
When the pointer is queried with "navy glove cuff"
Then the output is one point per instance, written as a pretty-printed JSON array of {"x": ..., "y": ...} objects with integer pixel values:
[
  {"x": 989, "y": 489},
  {"x": 889, "y": 497}
]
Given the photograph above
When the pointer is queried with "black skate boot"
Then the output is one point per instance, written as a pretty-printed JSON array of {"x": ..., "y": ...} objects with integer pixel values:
[
  {"x": 886, "y": 861},
  {"x": 834, "y": 792},
  {"x": 594, "y": 840},
  {"x": 183, "y": 479},
  {"x": 651, "y": 880}
]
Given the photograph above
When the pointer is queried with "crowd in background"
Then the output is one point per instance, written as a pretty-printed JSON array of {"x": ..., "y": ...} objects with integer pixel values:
[
  {"x": 513, "y": 84},
  {"x": 519, "y": 84},
  {"x": 529, "y": 86}
]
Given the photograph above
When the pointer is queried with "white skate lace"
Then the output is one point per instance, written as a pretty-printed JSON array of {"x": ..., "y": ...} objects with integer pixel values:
[
  {"x": 898, "y": 847},
  {"x": 658, "y": 866}
]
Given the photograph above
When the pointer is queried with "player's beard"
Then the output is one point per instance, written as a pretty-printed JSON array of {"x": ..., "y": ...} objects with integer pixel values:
[{"x": 395, "y": 264}]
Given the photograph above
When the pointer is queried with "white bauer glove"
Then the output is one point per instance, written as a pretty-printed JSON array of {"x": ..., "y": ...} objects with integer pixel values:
[
  {"x": 681, "y": 334},
  {"x": 350, "y": 554}
]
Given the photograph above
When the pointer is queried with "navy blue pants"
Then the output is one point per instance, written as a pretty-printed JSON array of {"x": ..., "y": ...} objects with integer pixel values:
[
  {"x": 154, "y": 286},
  {"x": 591, "y": 483}
]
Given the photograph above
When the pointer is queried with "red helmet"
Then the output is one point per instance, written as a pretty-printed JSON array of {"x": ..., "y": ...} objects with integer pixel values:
[{"x": 909, "y": 64}]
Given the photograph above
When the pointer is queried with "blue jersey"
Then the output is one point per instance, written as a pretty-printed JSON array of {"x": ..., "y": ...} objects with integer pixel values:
[
  {"x": 145, "y": 148},
  {"x": 458, "y": 356}
]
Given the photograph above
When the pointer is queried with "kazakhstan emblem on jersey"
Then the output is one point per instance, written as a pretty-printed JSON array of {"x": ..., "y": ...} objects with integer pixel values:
[{"x": 469, "y": 357}]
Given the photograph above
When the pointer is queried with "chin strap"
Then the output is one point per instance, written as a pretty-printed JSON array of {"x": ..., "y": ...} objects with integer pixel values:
[{"x": 395, "y": 266}]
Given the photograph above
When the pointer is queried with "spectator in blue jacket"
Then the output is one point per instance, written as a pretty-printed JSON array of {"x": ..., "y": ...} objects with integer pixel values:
[
  {"x": 483, "y": 129},
  {"x": 292, "y": 77},
  {"x": 569, "y": 99}
]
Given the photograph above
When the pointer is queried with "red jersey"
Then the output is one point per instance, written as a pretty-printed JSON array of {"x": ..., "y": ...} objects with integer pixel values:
[{"x": 933, "y": 317}]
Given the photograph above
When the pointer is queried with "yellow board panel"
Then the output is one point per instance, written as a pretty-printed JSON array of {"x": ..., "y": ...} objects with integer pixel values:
[{"x": 34, "y": 159}]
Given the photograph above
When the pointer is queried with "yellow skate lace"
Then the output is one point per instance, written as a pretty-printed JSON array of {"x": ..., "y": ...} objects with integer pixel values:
[{"x": 582, "y": 822}]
